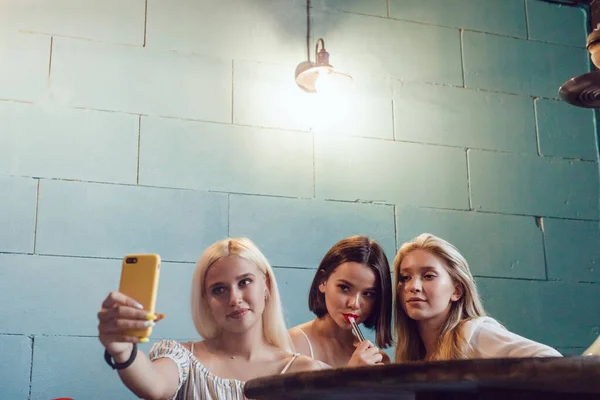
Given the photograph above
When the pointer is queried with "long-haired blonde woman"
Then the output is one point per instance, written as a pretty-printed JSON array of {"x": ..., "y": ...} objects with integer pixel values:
[
  {"x": 438, "y": 313},
  {"x": 236, "y": 310}
]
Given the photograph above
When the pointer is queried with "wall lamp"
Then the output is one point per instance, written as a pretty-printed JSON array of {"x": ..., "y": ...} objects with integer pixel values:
[
  {"x": 584, "y": 90},
  {"x": 319, "y": 76}
]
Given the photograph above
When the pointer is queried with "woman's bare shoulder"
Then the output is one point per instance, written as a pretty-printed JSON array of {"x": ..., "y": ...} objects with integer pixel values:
[
  {"x": 297, "y": 334},
  {"x": 304, "y": 363},
  {"x": 305, "y": 327}
]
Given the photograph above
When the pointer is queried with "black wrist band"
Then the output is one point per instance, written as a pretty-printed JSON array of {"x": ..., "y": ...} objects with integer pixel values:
[{"x": 126, "y": 364}]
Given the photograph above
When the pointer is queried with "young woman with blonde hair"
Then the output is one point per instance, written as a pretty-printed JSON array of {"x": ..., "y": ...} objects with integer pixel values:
[
  {"x": 438, "y": 312},
  {"x": 236, "y": 309}
]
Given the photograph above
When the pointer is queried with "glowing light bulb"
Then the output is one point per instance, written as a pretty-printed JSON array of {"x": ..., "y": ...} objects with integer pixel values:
[{"x": 329, "y": 82}]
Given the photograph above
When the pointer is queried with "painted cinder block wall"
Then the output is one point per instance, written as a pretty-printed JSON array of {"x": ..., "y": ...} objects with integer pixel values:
[{"x": 162, "y": 126}]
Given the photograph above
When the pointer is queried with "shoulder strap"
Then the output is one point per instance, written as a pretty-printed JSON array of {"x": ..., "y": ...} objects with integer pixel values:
[
  {"x": 309, "y": 344},
  {"x": 289, "y": 364}
]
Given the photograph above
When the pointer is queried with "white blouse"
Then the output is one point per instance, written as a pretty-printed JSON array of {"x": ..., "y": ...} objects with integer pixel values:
[
  {"x": 196, "y": 382},
  {"x": 488, "y": 339}
]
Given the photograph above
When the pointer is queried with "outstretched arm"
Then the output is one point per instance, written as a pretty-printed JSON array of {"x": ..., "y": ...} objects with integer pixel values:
[{"x": 147, "y": 379}]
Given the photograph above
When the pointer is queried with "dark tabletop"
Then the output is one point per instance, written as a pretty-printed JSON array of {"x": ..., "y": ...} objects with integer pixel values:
[{"x": 507, "y": 378}]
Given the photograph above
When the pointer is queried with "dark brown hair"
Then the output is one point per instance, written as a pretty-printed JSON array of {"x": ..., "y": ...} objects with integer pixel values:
[{"x": 362, "y": 250}]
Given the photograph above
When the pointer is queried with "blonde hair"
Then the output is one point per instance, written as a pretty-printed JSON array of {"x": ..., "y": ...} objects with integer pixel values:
[
  {"x": 274, "y": 329},
  {"x": 451, "y": 343}
]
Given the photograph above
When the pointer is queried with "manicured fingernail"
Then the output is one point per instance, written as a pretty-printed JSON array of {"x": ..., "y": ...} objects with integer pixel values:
[
  {"x": 144, "y": 340},
  {"x": 149, "y": 323},
  {"x": 138, "y": 305},
  {"x": 150, "y": 317}
]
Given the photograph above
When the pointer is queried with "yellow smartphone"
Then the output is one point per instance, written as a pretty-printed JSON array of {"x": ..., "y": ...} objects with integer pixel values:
[{"x": 139, "y": 280}]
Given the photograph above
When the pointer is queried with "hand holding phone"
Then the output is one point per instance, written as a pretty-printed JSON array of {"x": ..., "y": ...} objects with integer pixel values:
[{"x": 127, "y": 315}]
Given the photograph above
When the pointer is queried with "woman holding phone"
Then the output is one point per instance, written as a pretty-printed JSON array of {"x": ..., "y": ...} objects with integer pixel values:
[
  {"x": 438, "y": 313},
  {"x": 353, "y": 281},
  {"x": 236, "y": 309}
]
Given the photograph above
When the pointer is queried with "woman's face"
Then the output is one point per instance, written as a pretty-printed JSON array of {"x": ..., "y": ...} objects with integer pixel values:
[
  {"x": 425, "y": 289},
  {"x": 236, "y": 291},
  {"x": 351, "y": 289}
]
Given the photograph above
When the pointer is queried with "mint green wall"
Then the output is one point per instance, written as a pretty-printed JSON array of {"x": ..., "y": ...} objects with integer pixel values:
[{"x": 162, "y": 126}]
